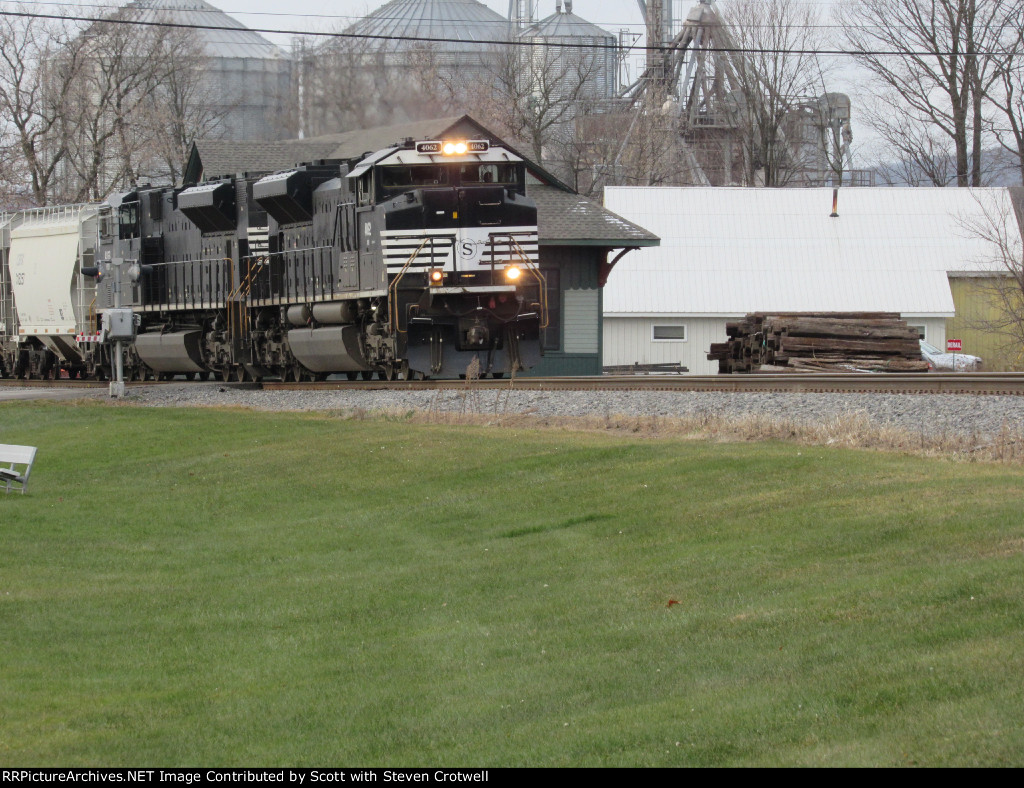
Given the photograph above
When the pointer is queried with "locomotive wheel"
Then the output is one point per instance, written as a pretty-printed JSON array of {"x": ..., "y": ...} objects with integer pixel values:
[
  {"x": 204, "y": 375},
  {"x": 225, "y": 374},
  {"x": 190, "y": 376},
  {"x": 240, "y": 374}
]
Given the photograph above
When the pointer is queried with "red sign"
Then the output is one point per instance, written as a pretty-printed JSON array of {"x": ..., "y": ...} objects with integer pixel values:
[{"x": 954, "y": 346}]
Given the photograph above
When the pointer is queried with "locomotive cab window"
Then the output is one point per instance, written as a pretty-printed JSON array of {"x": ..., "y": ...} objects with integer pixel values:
[
  {"x": 128, "y": 220},
  {"x": 504, "y": 173},
  {"x": 395, "y": 179},
  {"x": 365, "y": 189}
]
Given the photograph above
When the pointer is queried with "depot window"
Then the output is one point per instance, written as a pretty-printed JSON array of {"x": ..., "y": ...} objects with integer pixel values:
[{"x": 669, "y": 333}]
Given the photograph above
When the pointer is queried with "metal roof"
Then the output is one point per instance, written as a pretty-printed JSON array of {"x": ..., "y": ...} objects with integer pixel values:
[
  {"x": 729, "y": 251},
  {"x": 565, "y": 24},
  {"x": 455, "y": 22},
  {"x": 237, "y": 42}
]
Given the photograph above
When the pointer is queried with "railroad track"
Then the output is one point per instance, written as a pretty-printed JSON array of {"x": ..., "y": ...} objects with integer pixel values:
[
  {"x": 982, "y": 383},
  {"x": 1004, "y": 383}
]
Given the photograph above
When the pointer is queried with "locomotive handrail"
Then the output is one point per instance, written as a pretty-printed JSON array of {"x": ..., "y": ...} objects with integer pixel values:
[
  {"x": 529, "y": 265},
  {"x": 245, "y": 284},
  {"x": 393, "y": 296}
]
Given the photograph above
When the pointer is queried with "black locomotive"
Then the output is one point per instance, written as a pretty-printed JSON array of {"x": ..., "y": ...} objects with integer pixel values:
[{"x": 419, "y": 260}]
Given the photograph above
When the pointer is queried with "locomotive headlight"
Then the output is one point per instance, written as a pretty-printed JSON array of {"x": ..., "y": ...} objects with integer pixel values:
[
  {"x": 512, "y": 273},
  {"x": 454, "y": 148},
  {"x": 436, "y": 276}
]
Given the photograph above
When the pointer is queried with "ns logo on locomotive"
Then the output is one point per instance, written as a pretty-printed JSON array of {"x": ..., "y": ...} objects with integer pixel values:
[{"x": 413, "y": 261}]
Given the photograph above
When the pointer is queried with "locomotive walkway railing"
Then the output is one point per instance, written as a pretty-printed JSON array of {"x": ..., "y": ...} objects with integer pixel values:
[{"x": 195, "y": 284}]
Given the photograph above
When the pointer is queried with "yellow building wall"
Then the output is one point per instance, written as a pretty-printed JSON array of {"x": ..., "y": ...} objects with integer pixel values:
[{"x": 976, "y": 306}]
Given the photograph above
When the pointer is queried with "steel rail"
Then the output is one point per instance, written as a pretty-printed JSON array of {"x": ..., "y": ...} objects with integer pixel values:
[
  {"x": 979, "y": 383},
  {"x": 1007, "y": 384}
]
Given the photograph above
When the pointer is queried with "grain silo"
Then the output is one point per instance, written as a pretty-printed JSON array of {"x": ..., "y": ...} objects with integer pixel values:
[
  {"x": 248, "y": 78},
  {"x": 580, "y": 55}
]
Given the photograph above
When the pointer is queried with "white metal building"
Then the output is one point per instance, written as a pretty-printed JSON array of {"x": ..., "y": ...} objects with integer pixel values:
[{"x": 728, "y": 251}]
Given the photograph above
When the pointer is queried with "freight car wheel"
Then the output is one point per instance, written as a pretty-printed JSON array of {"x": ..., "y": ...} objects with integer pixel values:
[
  {"x": 240, "y": 374},
  {"x": 351, "y": 375},
  {"x": 366, "y": 374},
  {"x": 225, "y": 375}
]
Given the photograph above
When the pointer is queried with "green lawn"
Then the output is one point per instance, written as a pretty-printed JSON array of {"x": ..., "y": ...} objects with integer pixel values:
[{"x": 201, "y": 587}]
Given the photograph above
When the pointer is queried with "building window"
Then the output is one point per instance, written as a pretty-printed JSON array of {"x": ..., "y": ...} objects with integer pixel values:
[
  {"x": 551, "y": 339},
  {"x": 919, "y": 330},
  {"x": 675, "y": 333}
]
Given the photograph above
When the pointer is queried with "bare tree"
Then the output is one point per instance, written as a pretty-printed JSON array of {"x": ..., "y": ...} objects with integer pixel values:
[
  {"x": 945, "y": 63},
  {"x": 776, "y": 72},
  {"x": 182, "y": 107},
  {"x": 36, "y": 79},
  {"x": 1007, "y": 93},
  {"x": 535, "y": 96},
  {"x": 349, "y": 83},
  {"x": 109, "y": 145},
  {"x": 917, "y": 152}
]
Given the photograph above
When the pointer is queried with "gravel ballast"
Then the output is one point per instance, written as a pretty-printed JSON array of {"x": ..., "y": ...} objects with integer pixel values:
[{"x": 929, "y": 414}]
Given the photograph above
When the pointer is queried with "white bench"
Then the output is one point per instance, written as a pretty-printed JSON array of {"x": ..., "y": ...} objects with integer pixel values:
[{"x": 15, "y": 465}]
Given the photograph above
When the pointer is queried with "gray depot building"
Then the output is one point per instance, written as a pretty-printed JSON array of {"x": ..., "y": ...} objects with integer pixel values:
[{"x": 579, "y": 241}]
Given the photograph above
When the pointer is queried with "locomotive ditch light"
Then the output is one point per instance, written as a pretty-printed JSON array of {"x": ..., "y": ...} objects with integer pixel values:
[
  {"x": 512, "y": 273},
  {"x": 436, "y": 276}
]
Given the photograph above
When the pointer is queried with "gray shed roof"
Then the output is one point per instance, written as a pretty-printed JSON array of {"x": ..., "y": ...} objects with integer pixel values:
[
  {"x": 220, "y": 158},
  {"x": 236, "y": 42},
  {"x": 567, "y": 219}
]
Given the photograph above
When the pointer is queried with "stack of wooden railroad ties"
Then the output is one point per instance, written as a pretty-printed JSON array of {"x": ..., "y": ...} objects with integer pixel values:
[{"x": 819, "y": 342}]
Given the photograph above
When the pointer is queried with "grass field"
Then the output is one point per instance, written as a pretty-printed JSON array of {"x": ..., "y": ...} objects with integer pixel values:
[{"x": 199, "y": 587}]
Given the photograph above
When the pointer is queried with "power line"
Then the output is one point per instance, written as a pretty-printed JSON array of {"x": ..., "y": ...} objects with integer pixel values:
[
  {"x": 492, "y": 42},
  {"x": 113, "y": 6}
]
